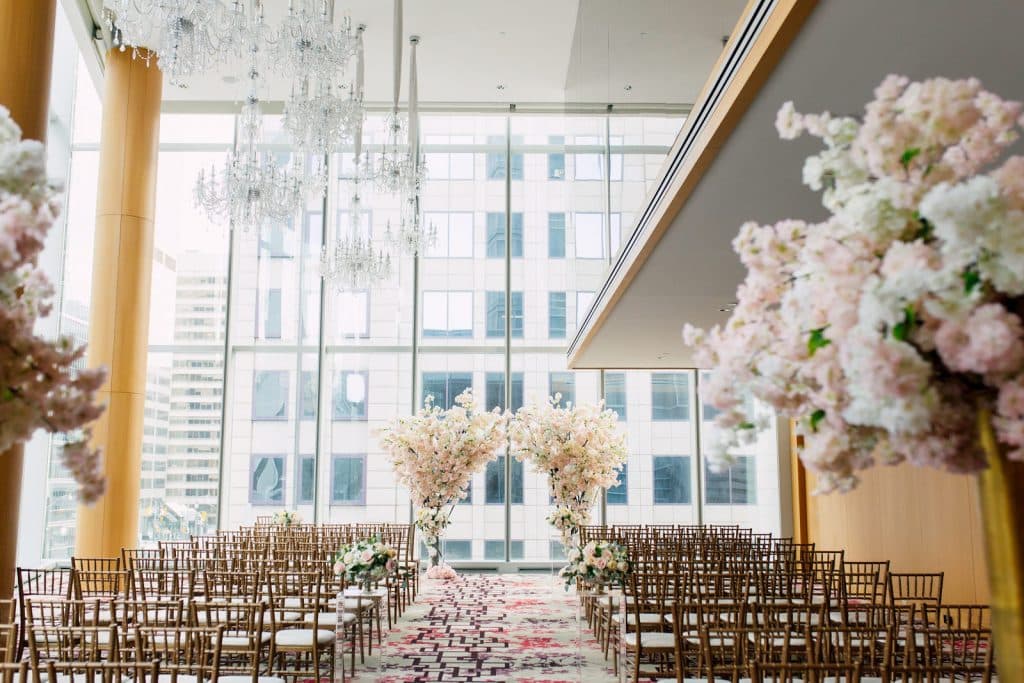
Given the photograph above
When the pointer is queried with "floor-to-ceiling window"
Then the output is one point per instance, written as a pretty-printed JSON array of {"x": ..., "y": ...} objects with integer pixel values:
[{"x": 529, "y": 211}]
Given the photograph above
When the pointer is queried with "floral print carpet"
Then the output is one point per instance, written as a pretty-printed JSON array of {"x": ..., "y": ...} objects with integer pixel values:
[{"x": 491, "y": 627}]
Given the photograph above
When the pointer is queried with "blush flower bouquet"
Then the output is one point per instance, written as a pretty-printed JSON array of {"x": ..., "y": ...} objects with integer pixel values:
[
  {"x": 39, "y": 386},
  {"x": 598, "y": 564},
  {"x": 885, "y": 328},
  {"x": 365, "y": 560},
  {"x": 287, "y": 518},
  {"x": 579, "y": 447},
  {"x": 436, "y": 452}
]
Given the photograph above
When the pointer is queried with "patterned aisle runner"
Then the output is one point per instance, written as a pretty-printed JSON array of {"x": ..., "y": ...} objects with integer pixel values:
[{"x": 491, "y": 627}]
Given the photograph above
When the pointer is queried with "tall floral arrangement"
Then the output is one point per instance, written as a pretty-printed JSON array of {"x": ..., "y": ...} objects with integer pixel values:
[
  {"x": 887, "y": 326},
  {"x": 581, "y": 450},
  {"x": 435, "y": 453},
  {"x": 39, "y": 386}
]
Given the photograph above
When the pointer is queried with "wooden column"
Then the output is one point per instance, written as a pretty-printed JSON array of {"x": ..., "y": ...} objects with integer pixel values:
[
  {"x": 121, "y": 283},
  {"x": 26, "y": 55}
]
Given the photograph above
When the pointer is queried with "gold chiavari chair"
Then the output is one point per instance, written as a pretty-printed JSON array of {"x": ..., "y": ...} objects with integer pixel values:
[
  {"x": 957, "y": 616},
  {"x": 186, "y": 655},
  {"x": 102, "y": 672},
  {"x": 805, "y": 673},
  {"x": 40, "y": 585},
  {"x": 298, "y": 646},
  {"x": 246, "y": 642},
  {"x": 14, "y": 673}
]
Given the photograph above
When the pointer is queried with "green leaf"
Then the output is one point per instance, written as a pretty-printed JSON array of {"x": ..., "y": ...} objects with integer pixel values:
[
  {"x": 902, "y": 329},
  {"x": 746, "y": 425},
  {"x": 971, "y": 279},
  {"x": 925, "y": 229},
  {"x": 908, "y": 156},
  {"x": 817, "y": 340},
  {"x": 816, "y": 417}
]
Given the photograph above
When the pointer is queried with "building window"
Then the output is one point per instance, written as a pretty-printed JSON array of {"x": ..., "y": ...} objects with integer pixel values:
[
  {"x": 615, "y": 393},
  {"x": 272, "y": 314},
  {"x": 276, "y": 237},
  {"x": 352, "y": 311},
  {"x": 556, "y": 551},
  {"x": 734, "y": 486},
  {"x": 556, "y": 235},
  {"x": 556, "y": 160},
  {"x": 583, "y": 302},
  {"x": 671, "y": 480},
  {"x": 589, "y": 235},
  {"x": 496, "y": 160},
  {"x": 619, "y": 494},
  {"x": 448, "y": 314},
  {"x": 350, "y": 389},
  {"x": 589, "y": 165},
  {"x": 670, "y": 396},
  {"x": 448, "y": 165},
  {"x": 270, "y": 395},
  {"x": 496, "y": 314},
  {"x": 494, "y": 479},
  {"x": 495, "y": 550},
  {"x": 454, "y": 235},
  {"x": 458, "y": 550},
  {"x": 445, "y": 387},
  {"x": 563, "y": 383},
  {"x": 266, "y": 480},
  {"x": 495, "y": 389},
  {"x": 616, "y": 233},
  {"x": 348, "y": 480},
  {"x": 306, "y": 479},
  {"x": 496, "y": 235},
  {"x": 556, "y": 315},
  {"x": 308, "y": 397}
]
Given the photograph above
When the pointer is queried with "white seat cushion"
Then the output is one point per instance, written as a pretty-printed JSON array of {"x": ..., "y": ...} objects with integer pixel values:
[
  {"x": 239, "y": 641},
  {"x": 302, "y": 637},
  {"x": 248, "y": 679},
  {"x": 181, "y": 678},
  {"x": 330, "y": 618},
  {"x": 645, "y": 618},
  {"x": 650, "y": 639}
]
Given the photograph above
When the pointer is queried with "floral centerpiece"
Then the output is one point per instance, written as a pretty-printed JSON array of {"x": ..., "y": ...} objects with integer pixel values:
[
  {"x": 436, "y": 452},
  {"x": 39, "y": 386},
  {"x": 598, "y": 564},
  {"x": 892, "y": 330},
  {"x": 287, "y": 518},
  {"x": 579, "y": 447},
  {"x": 365, "y": 561}
]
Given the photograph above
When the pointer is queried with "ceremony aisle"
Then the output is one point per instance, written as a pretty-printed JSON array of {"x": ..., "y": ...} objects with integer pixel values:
[{"x": 491, "y": 627}]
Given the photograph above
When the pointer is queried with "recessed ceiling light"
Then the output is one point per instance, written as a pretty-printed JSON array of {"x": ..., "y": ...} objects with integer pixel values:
[
  {"x": 627, "y": 87},
  {"x": 230, "y": 79},
  {"x": 501, "y": 86}
]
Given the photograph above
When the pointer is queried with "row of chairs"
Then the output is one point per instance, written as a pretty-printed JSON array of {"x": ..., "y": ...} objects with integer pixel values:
[
  {"x": 714, "y": 601},
  {"x": 271, "y": 590}
]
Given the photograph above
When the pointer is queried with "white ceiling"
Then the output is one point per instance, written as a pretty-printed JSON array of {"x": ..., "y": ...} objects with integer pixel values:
[
  {"x": 844, "y": 50},
  {"x": 541, "y": 51}
]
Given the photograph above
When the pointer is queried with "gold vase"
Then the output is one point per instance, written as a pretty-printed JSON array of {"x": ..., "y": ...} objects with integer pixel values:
[{"x": 1001, "y": 497}]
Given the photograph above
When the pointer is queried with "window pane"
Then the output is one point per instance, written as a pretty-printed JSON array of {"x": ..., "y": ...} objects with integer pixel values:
[
  {"x": 350, "y": 390},
  {"x": 563, "y": 383},
  {"x": 347, "y": 484},
  {"x": 307, "y": 479},
  {"x": 308, "y": 397},
  {"x": 734, "y": 486},
  {"x": 615, "y": 393},
  {"x": 556, "y": 315},
  {"x": 435, "y": 314},
  {"x": 266, "y": 483},
  {"x": 671, "y": 480},
  {"x": 495, "y": 389},
  {"x": 556, "y": 235},
  {"x": 460, "y": 314},
  {"x": 495, "y": 314},
  {"x": 272, "y": 315},
  {"x": 270, "y": 395},
  {"x": 353, "y": 313},
  {"x": 556, "y": 166},
  {"x": 619, "y": 494},
  {"x": 589, "y": 235},
  {"x": 494, "y": 478},
  {"x": 460, "y": 235},
  {"x": 670, "y": 396},
  {"x": 458, "y": 550},
  {"x": 495, "y": 550},
  {"x": 517, "y": 315},
  {"x": 445, "y": 387},
  {"x": 495, "y": 235}
]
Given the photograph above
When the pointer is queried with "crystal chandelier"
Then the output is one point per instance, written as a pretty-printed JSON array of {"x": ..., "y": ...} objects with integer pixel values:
[
  {"x": 309, "y": 46},
  {"x": 353, "y": 262},
  {"x": 251, "y": 189},
  {"x": 188, "y": 37},
  {"x": 320, "y": 115},
  {"x": 400, "y": 168}
]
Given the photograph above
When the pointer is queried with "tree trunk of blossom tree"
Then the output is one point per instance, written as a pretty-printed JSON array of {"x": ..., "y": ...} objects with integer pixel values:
[
  {"x": 434, "y": 551},
  {"x": 10, "y": 502}
]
